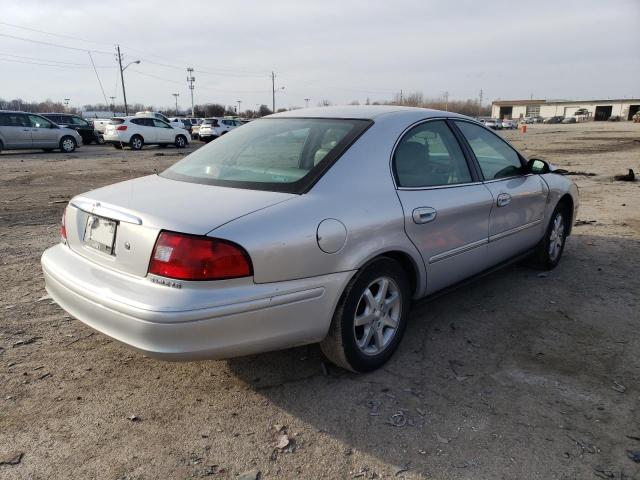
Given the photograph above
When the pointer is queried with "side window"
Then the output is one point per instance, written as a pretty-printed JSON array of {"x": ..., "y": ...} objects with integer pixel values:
[
  {"x": 428, "y": 156},
  {"x": 496, "y": 158},
  {"x": 160, "y": 124},
  {"x": 5, "y": 120},
  {"x": 39, "y": 122},
  {"x": 79, "y": 121},
  {"x": 138, "y": 121}
]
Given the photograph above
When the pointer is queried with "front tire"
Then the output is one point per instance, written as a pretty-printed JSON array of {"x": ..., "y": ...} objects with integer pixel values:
[
  {"x": 67, "y": 144},
  {"x": 181, "y": 141},
  {"x": 136, "y": 142},
  {"x": 549, "y": 251},
  {"x": 370, "y": 318}
]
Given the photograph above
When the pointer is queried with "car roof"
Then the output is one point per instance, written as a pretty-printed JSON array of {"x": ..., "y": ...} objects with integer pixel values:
[{"x": 365, "y": 112}]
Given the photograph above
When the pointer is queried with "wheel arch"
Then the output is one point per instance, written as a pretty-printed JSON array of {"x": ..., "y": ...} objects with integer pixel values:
[
  {"x": 567, "y": 200},
  {"x": 408, "y": 264}
]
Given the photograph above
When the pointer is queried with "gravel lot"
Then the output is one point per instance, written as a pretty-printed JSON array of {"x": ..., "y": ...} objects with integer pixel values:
[{"x": 520, "y": 375}]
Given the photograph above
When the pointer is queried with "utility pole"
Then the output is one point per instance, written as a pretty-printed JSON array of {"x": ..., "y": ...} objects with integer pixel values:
[
  {"x": 400, "y": 96},
  {"x": 446, "y": 101},
  {"x": 273, "y": 92},
  {"x": 190, "y": 80},
  {"x": 480, "y": 103},
  {"x": 239, "y": 102},
  {"x": 113, "y": 105},
  {"x": 176, "y": 95},
  {"x": 124, "y": 92},
  {"x": 306, "y": 100},
  {"x": 66, "y": 103}
]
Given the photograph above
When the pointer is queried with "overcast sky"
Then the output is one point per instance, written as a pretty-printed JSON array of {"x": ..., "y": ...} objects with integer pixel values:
[{"x": 337, "y": 50}]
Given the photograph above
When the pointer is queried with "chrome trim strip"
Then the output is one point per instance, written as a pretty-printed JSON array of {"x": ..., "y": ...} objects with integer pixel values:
[
  {"x": 458, "y": 250},
  {"x": 506, "y": 233},
  {"x": 438, "y": 187},
  {"x": 102, "y": 211}
]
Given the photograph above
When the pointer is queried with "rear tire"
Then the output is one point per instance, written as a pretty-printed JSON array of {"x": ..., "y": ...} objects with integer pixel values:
[
  {"x": 549, "y": 250},
  {"x": 181, "y": 141},
  {"x": 136, "y": 142},
  {"x": 67, "y": 144},
  {"x": 100, "y": 140},
  {"x": 370, "y": 318}
]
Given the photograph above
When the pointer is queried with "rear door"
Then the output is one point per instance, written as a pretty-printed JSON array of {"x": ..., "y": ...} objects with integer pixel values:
[
  {"x": 146, "y": 128},
  {"x": 446, "y": 207},
  {"x": 519, "y": 199},
  {"x": 15, "y": 130},
  {"x": 44, "y": 133}
]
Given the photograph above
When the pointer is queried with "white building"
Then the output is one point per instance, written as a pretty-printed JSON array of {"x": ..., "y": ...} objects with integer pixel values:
[{"x": 599, "y": 110}]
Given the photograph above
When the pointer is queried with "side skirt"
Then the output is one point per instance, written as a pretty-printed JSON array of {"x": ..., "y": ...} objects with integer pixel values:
[{"x": 473, "y": 278}]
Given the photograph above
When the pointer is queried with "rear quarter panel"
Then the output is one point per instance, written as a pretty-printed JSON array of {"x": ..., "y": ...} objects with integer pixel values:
[{"x": 358, "y": 191}]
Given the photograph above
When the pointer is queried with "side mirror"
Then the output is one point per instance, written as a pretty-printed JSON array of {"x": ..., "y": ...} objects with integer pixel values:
[{"x": 538, "y": 166}]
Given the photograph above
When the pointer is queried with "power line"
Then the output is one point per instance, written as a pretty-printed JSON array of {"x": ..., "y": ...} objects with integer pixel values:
[
  {"x": 41, "y": 42},
  {"x": 220, "y": 72},
  {"x": 53, "y": 61},
  {"x": 98, "y": 77},
  {"x": 54, "y": 34},
  {"x": 43, "y": 64}
]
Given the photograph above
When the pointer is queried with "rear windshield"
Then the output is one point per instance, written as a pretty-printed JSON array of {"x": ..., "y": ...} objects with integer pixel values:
[
  {"x": 117, "y": 121},
  {"x": 277, "y": 154}
]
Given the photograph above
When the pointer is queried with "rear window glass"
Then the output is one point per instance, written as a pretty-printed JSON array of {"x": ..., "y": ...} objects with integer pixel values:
[
  {"x": 116, "y": 121},
  {"x": 283, "y": 154}
]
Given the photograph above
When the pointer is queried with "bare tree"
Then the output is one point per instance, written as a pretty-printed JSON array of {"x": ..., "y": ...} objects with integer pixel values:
[{"x": 324, "y": 103}]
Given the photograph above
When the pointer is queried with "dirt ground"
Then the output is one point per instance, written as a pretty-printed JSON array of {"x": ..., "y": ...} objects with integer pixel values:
[{"x": 521, "y": 375}]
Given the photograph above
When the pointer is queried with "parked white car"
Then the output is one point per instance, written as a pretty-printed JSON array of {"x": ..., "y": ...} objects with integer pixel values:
[
  {"x": 100, "y": 124},
  {"x": 174, "y": 122},
  {"x": 509, "y": 124},
  {"x": 138, "y": 131},
  {"x": 214, "y": 127}
]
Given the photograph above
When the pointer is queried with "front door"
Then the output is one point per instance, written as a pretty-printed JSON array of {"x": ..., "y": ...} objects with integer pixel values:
[
  {"x": 446, "y": 210},
  {"x": 15, "y": 130},
  {"x": 43, "y": 132},
  {"x": 519, "y": 199},
  {"x": 164, "y": 132}
]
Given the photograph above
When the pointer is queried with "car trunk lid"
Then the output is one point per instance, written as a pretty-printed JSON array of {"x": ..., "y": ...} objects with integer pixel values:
[{"x": 117, "y": 226}]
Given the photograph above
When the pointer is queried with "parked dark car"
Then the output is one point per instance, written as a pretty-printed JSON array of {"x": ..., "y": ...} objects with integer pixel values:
[
  {"x": 556, "y": 119},
  {"x": 569, "y": 120},
  {"x": 79, "y": 124}
]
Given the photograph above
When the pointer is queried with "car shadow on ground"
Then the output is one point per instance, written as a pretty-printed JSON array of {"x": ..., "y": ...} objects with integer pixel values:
[{"x": 514, "y": 373}]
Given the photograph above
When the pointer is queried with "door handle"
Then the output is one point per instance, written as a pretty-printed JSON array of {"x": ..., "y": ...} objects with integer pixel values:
[
  {"x": 424, "y": 215},
  {"x": 504, "y": 199},
  {"x": 26, "y": 129}
]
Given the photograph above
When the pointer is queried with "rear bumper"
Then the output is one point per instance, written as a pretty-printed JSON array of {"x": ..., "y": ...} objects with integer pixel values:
[{"x": 240, "y": 317}]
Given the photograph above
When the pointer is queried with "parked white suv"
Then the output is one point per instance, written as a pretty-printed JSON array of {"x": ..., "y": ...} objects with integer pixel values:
[
  {"x": 213, "y": 127},
  {"x": 174, "y": 122},
  {"x": 136, "y": 131}
]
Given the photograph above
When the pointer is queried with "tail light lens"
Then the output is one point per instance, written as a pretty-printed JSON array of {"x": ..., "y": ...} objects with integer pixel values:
[
  {"x": 63, "y": 227},
  {"x": 193, "y": 257},
  {"x": 121, "y": 128}
]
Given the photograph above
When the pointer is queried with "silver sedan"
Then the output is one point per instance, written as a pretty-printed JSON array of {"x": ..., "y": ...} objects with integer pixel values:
[{"x": 317, "y": 225}]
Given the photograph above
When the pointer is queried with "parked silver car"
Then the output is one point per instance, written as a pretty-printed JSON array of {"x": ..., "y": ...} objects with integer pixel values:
[
  {"x": 315, "y": 225},
  {"x": 22, "y": 130}
]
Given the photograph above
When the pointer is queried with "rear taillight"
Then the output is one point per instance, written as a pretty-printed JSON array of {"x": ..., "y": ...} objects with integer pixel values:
[
  {"x": 63, "y": 227},
  {"x": 193, "y": 257},
  {"x": 121, "y": 128}
]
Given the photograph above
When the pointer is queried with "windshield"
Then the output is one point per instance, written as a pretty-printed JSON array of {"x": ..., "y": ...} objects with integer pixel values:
[{"x": 278, "y": 154}]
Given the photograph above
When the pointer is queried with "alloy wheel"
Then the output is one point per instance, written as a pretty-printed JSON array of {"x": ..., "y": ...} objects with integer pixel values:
[
  {"x": 556, "y": 237},
  {"x": 377, "y": 316}
]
